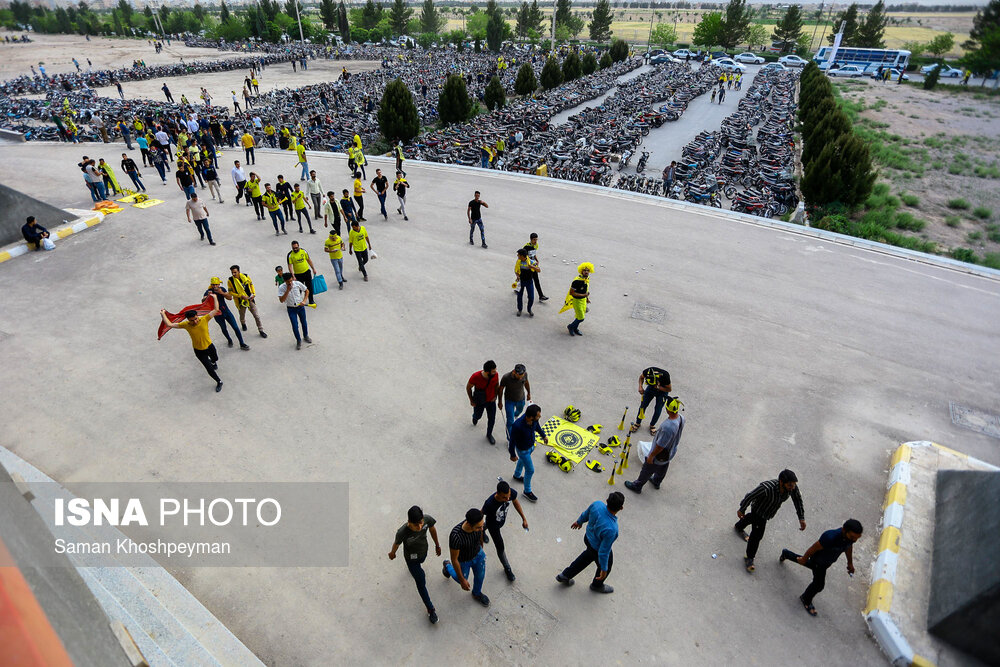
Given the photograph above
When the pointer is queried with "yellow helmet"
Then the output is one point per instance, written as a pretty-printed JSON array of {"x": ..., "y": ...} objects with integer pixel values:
[
  {"x": 216, "y": 281},
  {"x": 571, "y": 413}
]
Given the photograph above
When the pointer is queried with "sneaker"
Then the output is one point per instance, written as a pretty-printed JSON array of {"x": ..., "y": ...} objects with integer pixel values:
[
  {"x": 519, "y": 313},
  {"x": 263, "y": 335},
  {"x": 341, "y": 286},
  {"x": 311, "y": 231},
  {"x": 782, "y": 558},
  {"x": 244, "y": 347},
  {"x": 510, "y": 575},
  {"x": 298, "y": 345},
  {"x": 471, "y": 242},
  {"x": 482, "y": 599},
  {"x": 366, "y": 278},
  {"x": 444, "y": 569},
  {"x": 578, "y": 332},
  {"x": 518, "y": 479},
  {"x": 602, "y": 588},
  {"x": 474, "y": 421},
  {"x": 740, "y": 532},
  {"x": 399, "y": 210},
  {"x": 530, "y": 496},
  {"x": 405, "y": 218},
  {"x": 543, "y": 298},
  {"x": 218, "y": 387},
  {"x": 432, "y": 616},
  {"x": 485, "y": 246},
  {"x": 564, "y": 580},
  {"x": 491, "y": 439},
  {"x": 569, "y": 329},
  {"x": 631, "y": 486},
  {"x": 654, "y": 485},
  {"x": 277, "y": 233},
  {"x": 748, "y": 562},
  {"x": 229, "y": 344},
  {"x": 307, "y": 339},
  {"x": 530, "y": 314},
  {"x": 211, "y": 243},
  {"x": 244, "y": 327}
]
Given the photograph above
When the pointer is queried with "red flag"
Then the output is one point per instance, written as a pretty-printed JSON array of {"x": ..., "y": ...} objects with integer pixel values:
[{"x": 203, "y": 308}]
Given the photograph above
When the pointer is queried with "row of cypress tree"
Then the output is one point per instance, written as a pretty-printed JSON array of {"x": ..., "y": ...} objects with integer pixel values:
[{"x": 836, "y": 163}]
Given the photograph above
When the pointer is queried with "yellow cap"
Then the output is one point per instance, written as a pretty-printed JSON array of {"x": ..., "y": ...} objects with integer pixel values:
[{"x": 216, "y": 281}]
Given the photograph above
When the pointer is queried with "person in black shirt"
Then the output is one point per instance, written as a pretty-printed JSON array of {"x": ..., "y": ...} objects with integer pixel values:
[
  {"x": 381, "y": 186},
  {"x": 654, "y": 384},
  {"x": 466, "y": 546},
  {"x": 495, "y": 512},
  {"x": 413, "y": 536},
  {"x": 824, "y": 553},
  {"x": 129, "y": 167},
  {"x": 184, "y": 181},
  {"x": 34, "y": 232},
  {"x": 475, "y": 215},
  {"x": 284, "y": 190},
  {"x": 764, "y": 502}
]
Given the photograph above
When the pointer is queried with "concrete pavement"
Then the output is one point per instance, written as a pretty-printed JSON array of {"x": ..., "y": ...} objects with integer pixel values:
[{"x": 789, "y": 351}]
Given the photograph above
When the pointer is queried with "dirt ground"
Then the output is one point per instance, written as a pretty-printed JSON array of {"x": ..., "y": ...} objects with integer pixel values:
[{"x": 951, "y": 141}]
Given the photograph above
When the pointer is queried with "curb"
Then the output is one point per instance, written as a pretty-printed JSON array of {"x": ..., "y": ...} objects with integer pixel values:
[
  {"x": 878, "y": 607},
  {"x": 81, "y": 223}
]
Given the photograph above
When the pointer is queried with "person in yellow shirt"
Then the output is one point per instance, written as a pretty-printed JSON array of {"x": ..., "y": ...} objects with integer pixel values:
[
  {"x": 197, "y": 328},
  {"x": 269, "y": 132},
  {"x": 248, "y": 144},
  {"x": 299, "y": 203},
  {"x": 334, "y": 247},
  {"x": 241, "y": 287},
  {"x": 360, "y": 244},
  {"x": 284, "y": 139},
  {"x": 359, "y": 157},
  {"x": 271, "y": 201},
  {"x": 523, "y": 269},
  {"x": 359, "y": 200},
  {"x": 300, "y": 150},
  {"x": 301, "y": 265},
  {"x": 253, "y": 189}
]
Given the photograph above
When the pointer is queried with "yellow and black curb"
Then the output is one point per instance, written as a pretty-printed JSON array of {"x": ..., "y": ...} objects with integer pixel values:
[{"x": 83, "y": 222}]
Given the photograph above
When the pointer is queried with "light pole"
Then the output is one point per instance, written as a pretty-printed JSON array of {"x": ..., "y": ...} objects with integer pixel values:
[
  {"x": 819, "y": 17},
  {"x": 298, "y": 17},
  {"x": 552, "y": 41}
]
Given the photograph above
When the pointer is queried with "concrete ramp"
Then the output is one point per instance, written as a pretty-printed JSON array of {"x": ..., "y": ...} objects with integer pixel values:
[{"x": 16, "y": 206}]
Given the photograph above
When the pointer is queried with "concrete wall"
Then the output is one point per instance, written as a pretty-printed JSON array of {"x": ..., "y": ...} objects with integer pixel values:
[
  {"x": 964, "y": 607},
  {"x": 16, "y": 206}
]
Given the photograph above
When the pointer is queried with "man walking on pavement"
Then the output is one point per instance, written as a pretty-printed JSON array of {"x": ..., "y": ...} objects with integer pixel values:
[
  {"x": 166, "y": 91},
  {"x": 413, "y": 536},
  {"x": 301, "y": 265},
  {"x": 602, "y": 531},
  {"x": 824, "y": 553},
  {"x": 466, "y": 546},
  {"x": 669, "y": 174},
  {"x": 764, "y": 502},
  {"x": 482, "y": 391},
  {"x": 495, "y": 512},
  {"x": 513, "y": 385},
  {"x": 381, "y": 186},
  {"x": 197, "y": 212},
  {"x": 475, "y": 215},
  {"x": 225, "y": 315},
  {"x": 240, "y": 181},
  {"x": 241, "y": 287},
  {"x": 315, "y": 190},
  {"x": 532, "y": 249},
  {"x": 294, "y": 294},
  {"x": 204, "y": 350},
  {"x": 654, "y": 385},
  {"x": 662, "y": 451},
  {"x": 522, "y": 444}
]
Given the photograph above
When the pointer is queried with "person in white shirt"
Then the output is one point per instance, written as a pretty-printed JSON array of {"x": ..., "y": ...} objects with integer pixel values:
[
  {"x": 315, "y": 190},
  {"x": 240, "y": 181},
  {"x": 97, "y": 123},
  {"x": 163, "y": 139},
  {"x": 197, "y": 213},
  {"x": 192, "y": 124},
  {"x": 294, "y": 295}
]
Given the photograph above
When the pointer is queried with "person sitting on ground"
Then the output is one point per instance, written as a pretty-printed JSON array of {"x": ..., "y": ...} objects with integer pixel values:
[{"x": 34, "y": 232}]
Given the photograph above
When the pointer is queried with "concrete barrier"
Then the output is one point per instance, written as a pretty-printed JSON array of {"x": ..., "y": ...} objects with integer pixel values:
[{"x": 16, "y": 206}]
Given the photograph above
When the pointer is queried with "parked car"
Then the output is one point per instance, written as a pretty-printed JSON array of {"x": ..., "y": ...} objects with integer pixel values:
[
  {"x": 683, "y": 54},
  {"x": 662, "y": 58},
  {"x": 893, "y": 74},
  {"x": 792, "y": 61},
  {"x": 852, "y": 71},
  {"x": 750, "y": 58},
  {"x": 729, "y": 65},
  {"x": 946, "y": 71},
  {"x": 775, "y": 67}
]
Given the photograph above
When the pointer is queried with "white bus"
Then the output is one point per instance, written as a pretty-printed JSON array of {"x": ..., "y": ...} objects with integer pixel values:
[{"x": 868, "y": 59}]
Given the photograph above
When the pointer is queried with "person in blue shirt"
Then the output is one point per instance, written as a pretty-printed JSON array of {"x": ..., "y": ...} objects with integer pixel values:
[
  {"x": 824, "y": 553},
  {"x": 602, "y": 531},
  {"x": 522, "y": 443}
]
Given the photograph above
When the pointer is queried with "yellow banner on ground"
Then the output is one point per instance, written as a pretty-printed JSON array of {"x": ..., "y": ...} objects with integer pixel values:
[
  {"x": 148, "y": 203},
  {"x": 573, "y": 442}
]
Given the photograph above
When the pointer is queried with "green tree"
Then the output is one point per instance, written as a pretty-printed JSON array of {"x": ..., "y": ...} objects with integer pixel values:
[
  {"x": 606, "y": 61},
  {"x": 454, "y": 105},
  {"x": 290, "y": 7},
  {"x": 709, "y": 31},
  {"x": 343, "y": 24},
  {"x": 551, "y": 74},
  {"x": 871, "y": 32},
  {"x": 224, "y": 12},
  {"x": 931, "y": 80},
  {"x": 571, "y": 68},
  {"x": 756, "y": 35},
  {"x": 826, "y": 131},
  {"x": 523, "y": 21},
  {"x": 494, "y": 96},
  {"x": 618, "y": 50},
  {"x": 495, "y": 31},
  {"x": 536, "y": 19},
  {"x": 566, "y": 17},
  {"x": 600, "y": 24},
  {"x": 841, "y": 173},
  {"x": 985, "y": 57},
  {"x": 589, "y": 64},
  {"x": 850, "y": 18},
  {"x": 124, "y": 8},
  {"x": 941, "y": 44},
  {"x": 397, "y": 114},
  {"x": 525, "y": 83},
  {"x": 735, "y": 23},
  {"x": 663, "y": 35},
  {"x": 399, "y": 16},
  {"x": 198, "y": 11},
  {"x": 430, "y": 19},
  {"x": 328, "y": 11},
  {"x": 789, "y": 28},
  {"x": 985, "y": 21},
  {"x": 371, "y": 14},
  {"x": 916, "y": 49}
]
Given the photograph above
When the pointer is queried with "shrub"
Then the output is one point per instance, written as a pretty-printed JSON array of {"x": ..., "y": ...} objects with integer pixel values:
[
  {"x": 551, "y": 74},
  {"x": 959, "y": 204},
  {"x": 589, "y": 64},
  {"x": 972, "y": 237},
  {"x": 618, "y": 50},
  {"x": 992, "y": 260},
  {"x": 952, "y": 220},
  {"x": 454, "y": 105},
  {"x": 571, "y": 68},
  {"x": 964, "y": 255},
  {"x": 910, "y": 200},
  {"x": 982, "y": 213},
  {"x": 931, "y": 80},
  {"x": 841, "y": 172},
  {"x": 397, "y": 114},
  {"x": 908, "y": 222},
  {"x": 606, "y": 61},
  {"x": 526, "y": 83},
  {"x": 494, "y": 97}
]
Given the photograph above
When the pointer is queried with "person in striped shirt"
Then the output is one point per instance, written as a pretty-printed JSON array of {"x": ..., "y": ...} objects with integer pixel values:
[{"x": 764, "y": 502}]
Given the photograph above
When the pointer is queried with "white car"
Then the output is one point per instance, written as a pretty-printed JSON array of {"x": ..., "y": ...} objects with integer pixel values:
[
  {"x": 792, "y": 61},
  {"x": 852, "y": 71},
  {"x": 729, "y": 65},
  {"x": 946, "y": 71},
  {"x": 682, "y": 53},
  {"x": 750, "y": 58},
  {"x": 893, "y": 74},
  {"x": 774, "y": 66}
]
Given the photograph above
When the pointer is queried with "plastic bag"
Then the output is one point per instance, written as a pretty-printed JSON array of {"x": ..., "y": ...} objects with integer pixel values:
[
  {"x": 319, "y": 284},
  {"x": 374, "y": 256},
  {"x": 48, "y": 244}
]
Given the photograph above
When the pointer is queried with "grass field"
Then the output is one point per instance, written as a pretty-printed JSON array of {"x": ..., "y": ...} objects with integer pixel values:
[{"x": 634, "y": 26}]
